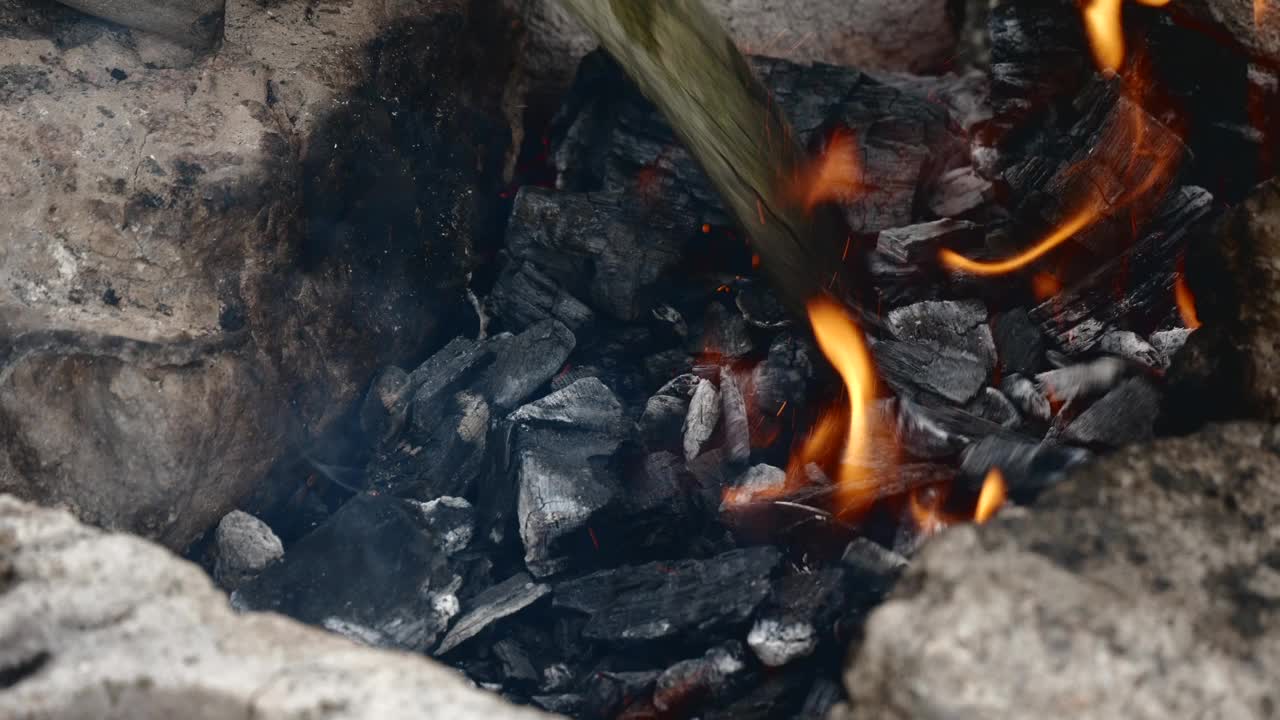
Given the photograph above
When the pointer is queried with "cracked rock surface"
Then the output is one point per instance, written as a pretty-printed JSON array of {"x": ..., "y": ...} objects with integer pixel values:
[{"x": 110, "y": 626}]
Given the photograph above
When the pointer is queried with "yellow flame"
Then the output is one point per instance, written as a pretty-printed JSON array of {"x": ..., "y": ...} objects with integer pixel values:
[
  {"x": 842, "y": 342},
  {"x": 992, "y": 496},
  {"x": 834, "y": 176},
  {"x": 1081, "y": 220},
  {"x": 1102, "y": 21}
]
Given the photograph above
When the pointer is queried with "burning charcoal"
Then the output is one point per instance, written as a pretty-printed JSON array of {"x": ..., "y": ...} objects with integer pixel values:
[
  {"x": 1082, "y": 381},
  {"x": 372, "y": 565},
  {"x": 452, "y": 521},
  {"x": 516, "y": 664},
  {"x": 662, "y": 424},
  {"x": 917, "y": 370},
  {"x": 920, "y": 243},
  {"x": 704, "y": 415},
  {"x": 1027, "y": 397},
  {"x": 760, "y": 307},
  {"x": 671, "y": 599},
  {"x": 1027, "y": 467},
  {"x": 1127, "y": 345},
  {"x": 607, "y": 692},
  {"x": 724, "y": 332},
  {"x": 991, "y": 404},
  {"x": 563, "y": 447},
  {"x": 527, "y": 361},
  {"x": 1125, "y": 415},
  {"x": 935, "y": 432},
  {"x": 689, "y": 684},
  {"x": 959, "y": 192},
  {"x": 244, "y": 547},
  {"x": 1168, "y": 342},
  {"x": 733, "y": 409},
  {"x": 793, "y": 619},
  {"x": 502, "y": 600},
  {"x": 871, "y": 561},
  {"x": 950, "y": 324},
  {"x": 783, "y": 377},
  {"x": 760, "y": 481},
  {"x": 523, "y": 296},
  {"x": 1019, "y": 343},
  {"x": 384, "y": 398},
  {"x": 602, "y": 248}
]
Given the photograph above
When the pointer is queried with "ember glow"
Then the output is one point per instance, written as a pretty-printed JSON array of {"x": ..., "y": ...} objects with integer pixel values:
[
  {"x": 835, "y": 176},
  {"x": 842, "y": 342},
  {"x": 1102, "y": 21}
]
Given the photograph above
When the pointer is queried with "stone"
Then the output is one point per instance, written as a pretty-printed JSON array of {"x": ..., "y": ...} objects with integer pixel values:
[
  {"x": 244, "y": 546},
  {"x": 1145, "y": 586},
  {"x": 197, "y": 23},
  {"x": 111, "y": 626},
  {"x": 203, "y": 265}
]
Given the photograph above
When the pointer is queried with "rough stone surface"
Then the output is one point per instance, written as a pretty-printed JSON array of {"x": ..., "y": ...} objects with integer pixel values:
[
  {"x": 202, "y": 265},
  {"x": 112, "y": 627},
  {"x": 1146, "y": 586},
  {"x": 191, "y": 22},
  {"x": 245, "y": 546}
]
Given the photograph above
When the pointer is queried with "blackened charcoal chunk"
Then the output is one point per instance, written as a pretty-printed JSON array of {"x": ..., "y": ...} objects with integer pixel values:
[
  {"x": 920, "y": 243},
  {"x": 1125, "y": 415},
  {"x": 517, "y": 666},
  {"x": 524, "y": 295},
  {"x": 1027, "y": 397},
  {"x": 760, "y": 307},
  {"x": 566, "y": 704},
  {"x": 1027, "y": 467},
  {"x": 724, "y": 332},
  {"x": 1019, "y": 342},
  {"x": 386, "y": 407},
  {"x": 687, "y": 685},
  {"x": 655, "y": 506},
  {"x": 798, "y": 614},
  {"x": 682, "y": 386},
  {"x": 991, "y": 404},
  {"x": 502, "y": 600},
  {"x": 527, "y": 361},
  {"x": 1168, "y": 342},
  {"x": 452, "y": 521},
  {"x": 671, "y": 599},
  {"x": 921, "y": 371},
  {"x": 1126, "y": 344},
  {"x": 930, "y": 432},
  {"x": 439, "y": 455},
  {"x": 372, "y": 568},
  {"x": 662, "y": 423},
  {"x": 603, "y": 248},
  {"x": 958, "y": 192},
  {"x": 783, "y": 377},
  {"x": 382, "y": 402},
  {"x": 1082, "y": 381},
  {"x": 564, "y": 446},
  {"x": 703, "y": 417},
  {"x": 956, "y": 325},
  {"x": 607, "y": 692},
  {"x": 874, "y": 563}
]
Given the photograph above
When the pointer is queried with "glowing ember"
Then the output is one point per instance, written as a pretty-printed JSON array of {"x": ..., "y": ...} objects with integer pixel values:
[
  {"x": 926, "y": 510},
  {"x": 834, "y": 176},
  {"x": 1045, "y": 285},
  {"x": 1186, "y": 302},
  {"x": 1102, "y": 20},
  {"x": 841, "y": 341},
  {"x": 992, "y": 496}
]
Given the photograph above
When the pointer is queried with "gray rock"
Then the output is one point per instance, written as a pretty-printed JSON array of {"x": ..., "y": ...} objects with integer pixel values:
[
  {"x": 704, "y": 415},
  {"x": 191, "y": 286},
  {"x": 1143, "y": 587},
  {"x": 197, "y": 23},
  {"x": 112, "y": 627},
  {"x": 244, "y": 546}
]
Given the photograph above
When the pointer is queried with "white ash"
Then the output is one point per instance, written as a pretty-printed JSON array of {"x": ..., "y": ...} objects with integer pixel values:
[
  {"x": 1169, "y": 342},
  {"x": 1127, "y": 344},
  {"x": 458, "y": 537},
  {"x": 777, "y": 643},
  {"x": 1082, "y": 381}
]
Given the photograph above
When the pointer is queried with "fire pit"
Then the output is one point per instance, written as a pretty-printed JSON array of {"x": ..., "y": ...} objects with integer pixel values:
[{"x": 636, "y": 478}]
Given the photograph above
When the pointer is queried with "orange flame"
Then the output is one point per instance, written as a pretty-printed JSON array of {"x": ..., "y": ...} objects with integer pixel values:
[
  {"x": 992, "y": 496},
  {"x": 834, "y": 176},
  {"x": 1259, "y": 13},
  {"x": 1186, "y": 302},
  {"x": 1102, "y": 21},
  {"x": 1083, "y": 218},
  {"x": 841, "y": 341}
]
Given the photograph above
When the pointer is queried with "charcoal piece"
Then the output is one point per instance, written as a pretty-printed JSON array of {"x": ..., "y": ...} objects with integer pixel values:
[
  {"x": 783, "y": 377},
  {"x": 687, "y": 685},
  {"x": 1082, "y": 381},
  {"x": 655, "y": 508},
  {"x": 760, "y": 307},
  {"x": 703, "y": 417},
  {"x": 733, "y": 411},
  {"x": 1126, "y": 344},
  {"x": 724, "y": 333},
  {"x": 681, "y": 386},
  {"x": 1123, "y": 416},
  {"x": 527, "y": 361},
  {"x": 959, "y": 192},
  {"x": 571, "y": 375},
  {"x": 872, "y": 562},
  {"x": 557, "y": 677},
  {"x": 993, "y": 405},
  {"x": 671, "y": 599},
  {"x": 933, "y": 433},
  {"x": 760, "y": 482},
  {"x": 1168, "y": 342},
  {"x": 1027, "y": 467},
  {"x": 452, "y": 522},
  {"x": 373, "y": 565},
  {"x": 563, "y": 446},
  {"x": 965, "y": 95},
  {"x": 774, "y": 696},
  {"x": 822, "y": 698},
  {"x": 386, "y": 407},
  {"x": 524, "y": 295},
  {"x": 441, "y": 454},
  {"x": 1027, "y": 397},
  {"x": 385, "y": 397},
  {"x": 1078, "y": 317},
  {"x": 951, "y": 324},
  {"x": 607, "y": 692},
  {"x": 566, "y": 704},
  {"x": 659, "y": 367},
  {"x": 605, "y": 249},
  {"x": 662, "y": 423},
  {"x": 1019, "y": 342},
  {"x": 516, "y": 664},
  {"x": 502, "y": 600},
  {"x": 917, "y": 370},
  {"x": 792, "y": 621},
  {"x": 920, "y": 243}
]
